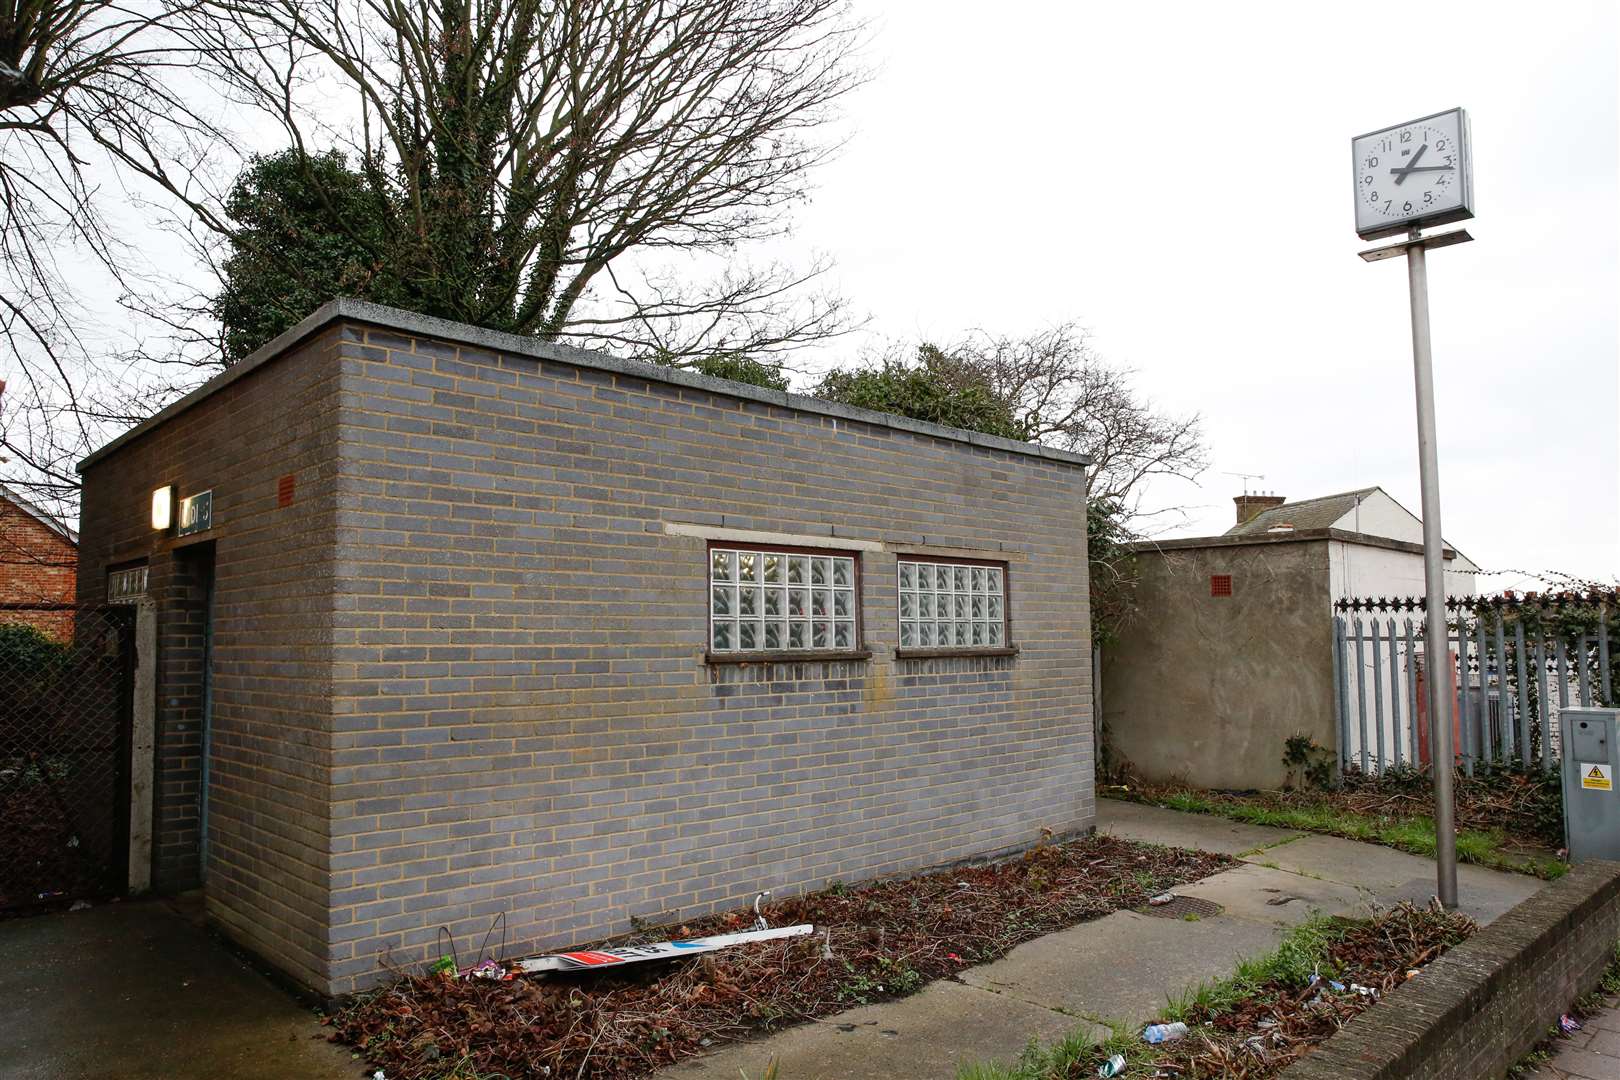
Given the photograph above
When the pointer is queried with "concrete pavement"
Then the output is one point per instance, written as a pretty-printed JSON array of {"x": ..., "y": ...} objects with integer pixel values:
[
  {"x": 1121, "y": 967},
  {"x": 138, "y": 991},
  {"x": 1593, "y": 1053}
]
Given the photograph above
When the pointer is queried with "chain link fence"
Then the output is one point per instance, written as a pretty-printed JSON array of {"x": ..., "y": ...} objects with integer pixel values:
[{"x": 65, "y": 691}]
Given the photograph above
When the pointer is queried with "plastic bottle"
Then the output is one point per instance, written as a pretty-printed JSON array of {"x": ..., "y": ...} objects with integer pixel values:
[{"x": 1163, "y": 1033}]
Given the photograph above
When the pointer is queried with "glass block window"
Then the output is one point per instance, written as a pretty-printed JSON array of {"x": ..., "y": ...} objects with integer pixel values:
[
  {"x": 781, "y": 601},
  {"x": 952, "y": 605}
]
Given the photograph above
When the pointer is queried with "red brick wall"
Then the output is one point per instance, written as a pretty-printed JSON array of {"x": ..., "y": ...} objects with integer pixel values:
[{"x": 37, "y": 566}]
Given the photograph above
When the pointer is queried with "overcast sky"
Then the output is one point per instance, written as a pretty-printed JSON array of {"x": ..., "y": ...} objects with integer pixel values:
[{"x": 1177, "y": 177}]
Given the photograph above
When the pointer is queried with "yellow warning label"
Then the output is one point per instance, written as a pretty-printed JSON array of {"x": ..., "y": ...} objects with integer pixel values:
[{"x": 1597, "y": 777}]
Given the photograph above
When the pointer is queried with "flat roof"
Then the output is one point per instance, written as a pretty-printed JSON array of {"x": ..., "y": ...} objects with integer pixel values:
[
  {"x": 1292, "y": 536},
  {"x": 412, "y": 324}
]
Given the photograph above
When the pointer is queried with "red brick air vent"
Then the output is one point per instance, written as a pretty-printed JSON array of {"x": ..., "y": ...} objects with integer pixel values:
[
  {"x": 1220, "y": 584},
  {"x": 286, "y": 488}
]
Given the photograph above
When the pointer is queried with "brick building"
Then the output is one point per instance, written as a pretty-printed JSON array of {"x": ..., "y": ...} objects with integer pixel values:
[
  {"x": 39, "y": 561},
  {"x": 479, "y": 624}
]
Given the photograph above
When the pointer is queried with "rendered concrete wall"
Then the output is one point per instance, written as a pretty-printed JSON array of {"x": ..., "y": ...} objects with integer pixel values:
[
  {"x": 1367, "y": 571},
  {"x": 266, "y": 878},
  {"x": 1207, "y": 689}
]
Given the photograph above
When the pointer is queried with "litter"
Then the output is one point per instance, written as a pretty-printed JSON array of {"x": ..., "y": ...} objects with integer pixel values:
[
  {"x": 1332, "y": 984},
  {"x": 1161, "y": 900},
  {"x": 592, "y": 959},
  {"x": 487, "y": 969},
  {"x": 1364, "y": 991},
  {"x": 80, "y": 905},
  {"x": 1113, "y": 1066},
  {"x": 1411, "y": 973},
  {"x": 1568, "y": 1024},
  {"x": 1164, "y": 1033}
]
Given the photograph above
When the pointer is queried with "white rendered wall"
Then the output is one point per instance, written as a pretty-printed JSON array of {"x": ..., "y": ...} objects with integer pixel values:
[{"x": 1360, "y": 570}]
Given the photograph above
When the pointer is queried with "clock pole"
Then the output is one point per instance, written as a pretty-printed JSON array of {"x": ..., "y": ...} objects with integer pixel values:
[{"x": 1436, "y": 633}]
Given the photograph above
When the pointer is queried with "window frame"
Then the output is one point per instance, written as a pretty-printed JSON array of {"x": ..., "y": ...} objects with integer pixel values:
[
  {"x": 1005, "y": 647},
  {"x": 857, "y": 650}
]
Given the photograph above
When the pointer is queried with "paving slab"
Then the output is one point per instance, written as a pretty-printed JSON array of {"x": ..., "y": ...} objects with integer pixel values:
[
  {"x": 136, "y": 991},
  {"x": 1123, "y": 966},
  {"x": 1389, "y": 876},
  {"x": 1277, "y": 897},
  {"x": 1205, "y": 832},
  {"x": 1592, "y": 1053},
  {"x": 928, "y": 1034}
]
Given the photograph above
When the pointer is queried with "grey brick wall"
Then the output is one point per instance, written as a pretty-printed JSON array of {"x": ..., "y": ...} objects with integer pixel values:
[
  {"x": 471, "y": 679},
  {"x": 267, "y": 877},
  {"x": 524, "y": 722}
]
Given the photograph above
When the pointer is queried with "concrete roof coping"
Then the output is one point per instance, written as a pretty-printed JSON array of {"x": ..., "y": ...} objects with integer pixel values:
[
  {"x": 1293, "y": 536},
  {"x": 411, "y": 324}
]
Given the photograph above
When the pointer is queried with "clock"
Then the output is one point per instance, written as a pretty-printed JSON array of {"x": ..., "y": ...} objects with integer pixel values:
[{"x": 1412, "y": 174}]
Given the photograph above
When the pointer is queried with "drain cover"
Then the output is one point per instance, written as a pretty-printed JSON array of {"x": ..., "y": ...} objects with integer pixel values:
[{"x": 1181, "y": 907}]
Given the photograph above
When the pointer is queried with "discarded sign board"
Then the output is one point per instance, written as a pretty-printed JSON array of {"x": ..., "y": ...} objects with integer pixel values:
[{"x": 593, "y": 959}]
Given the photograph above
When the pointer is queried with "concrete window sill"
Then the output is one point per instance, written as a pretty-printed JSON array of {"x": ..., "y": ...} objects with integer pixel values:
[
  {"x": 970, "y": 650},
  {"x": 793, "y": 656}
]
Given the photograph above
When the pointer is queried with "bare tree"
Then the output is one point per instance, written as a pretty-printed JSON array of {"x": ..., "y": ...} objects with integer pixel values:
[
  {"x": 532, "y": 161},
  {"x": 1065, "y": 394},
  {"x": 1056, "y": 389},
  {"x": 87, "y": 88}
]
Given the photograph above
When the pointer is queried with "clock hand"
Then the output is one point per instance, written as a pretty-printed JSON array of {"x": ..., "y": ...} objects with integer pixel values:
[
  {"x": 1400, "y": 174},
  {"x": 1423, "y": 168}
]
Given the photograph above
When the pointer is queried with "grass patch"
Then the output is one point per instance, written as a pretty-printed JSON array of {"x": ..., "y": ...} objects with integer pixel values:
[
  {"x": 1304, "y": 952},
  {"x": 1413, "y": 833}
]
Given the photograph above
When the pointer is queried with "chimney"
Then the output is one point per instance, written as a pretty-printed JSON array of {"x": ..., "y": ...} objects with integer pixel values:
[{"x": 1250, "y": 507}]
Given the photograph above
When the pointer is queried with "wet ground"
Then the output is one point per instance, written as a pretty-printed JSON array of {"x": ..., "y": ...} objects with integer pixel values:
[{"x": 138, "y": 990}]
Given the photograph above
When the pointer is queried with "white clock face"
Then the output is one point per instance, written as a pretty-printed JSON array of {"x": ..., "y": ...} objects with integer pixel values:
[{"x": 1412, "y": 173}]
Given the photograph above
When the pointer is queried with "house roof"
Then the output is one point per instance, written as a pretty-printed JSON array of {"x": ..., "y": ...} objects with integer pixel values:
[
  {"x": 56, "y": 526},
  {"x": 1318, "y": 513},
  {"x": 409, "y": 323}
]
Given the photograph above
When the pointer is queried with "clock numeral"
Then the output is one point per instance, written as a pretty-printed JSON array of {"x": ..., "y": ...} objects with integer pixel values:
[
  {"x": 1366, "y": 180},
  {"x": 1440, "y": 144},
  {"x": 1406, "y": 136},
  {"x": 1387, "y": 204},
  {"x": 1428, "y": 197},
  {"x": 1406, "y": 207},
  {"x": 1373, "y": 198},
  {"x": 1371, "y": 163}
]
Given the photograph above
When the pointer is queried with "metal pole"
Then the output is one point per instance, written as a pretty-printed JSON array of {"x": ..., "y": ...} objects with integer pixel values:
[{"x": 1435, "y": 634}]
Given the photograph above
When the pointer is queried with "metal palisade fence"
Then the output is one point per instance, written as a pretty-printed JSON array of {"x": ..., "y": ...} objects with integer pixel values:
[
  {"x": 1513, "y": 663},
  {"x": 65, "y": 676}
]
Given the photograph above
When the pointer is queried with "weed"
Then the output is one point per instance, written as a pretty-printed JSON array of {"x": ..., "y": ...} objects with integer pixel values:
[
  {"x": 1301, "y": 953},
  {"x": 1413, "y": 834}
]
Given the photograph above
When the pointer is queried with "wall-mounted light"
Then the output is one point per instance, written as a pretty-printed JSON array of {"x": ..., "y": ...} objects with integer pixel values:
[{"x": 163, "y": 508}]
